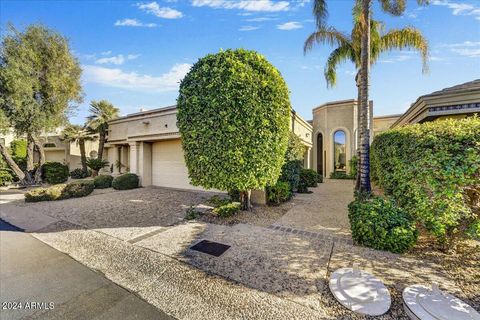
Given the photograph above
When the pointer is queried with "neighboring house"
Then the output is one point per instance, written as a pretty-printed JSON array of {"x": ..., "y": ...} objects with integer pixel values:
[{"x": 148, "y": 143}]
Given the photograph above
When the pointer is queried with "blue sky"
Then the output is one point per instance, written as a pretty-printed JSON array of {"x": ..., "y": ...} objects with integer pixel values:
[{"x": 134, "y": 53}]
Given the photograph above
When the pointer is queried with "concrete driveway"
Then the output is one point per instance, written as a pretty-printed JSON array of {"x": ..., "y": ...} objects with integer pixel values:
[{"x": 40, "y": 282}]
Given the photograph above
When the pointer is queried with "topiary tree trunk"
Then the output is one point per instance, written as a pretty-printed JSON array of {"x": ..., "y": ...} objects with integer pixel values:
[
  {"x": 41, "y": 162},
  {"x": 101, "y": 144},
  {"x": 83, "y": 157},
  {"x": 30, "y": 150},
  {"x": 245, "y": 200}
]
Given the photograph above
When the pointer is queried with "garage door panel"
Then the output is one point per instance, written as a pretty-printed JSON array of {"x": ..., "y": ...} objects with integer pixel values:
[{"x": 168, "y": 165}]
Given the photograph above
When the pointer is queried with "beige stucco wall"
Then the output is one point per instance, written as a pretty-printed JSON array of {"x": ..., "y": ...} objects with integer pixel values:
[
  {"x": 329, "y": 118},
  {"x": 383, "y": 123}
]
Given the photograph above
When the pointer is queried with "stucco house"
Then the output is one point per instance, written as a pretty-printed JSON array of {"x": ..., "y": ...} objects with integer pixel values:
[{"x": 148, "y": 142}]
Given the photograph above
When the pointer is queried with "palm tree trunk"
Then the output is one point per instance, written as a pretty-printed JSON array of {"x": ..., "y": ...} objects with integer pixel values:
[
  {"x": 101, "y": 144},
  {"x": 30, "y": 147},
  {"x": 359, "y": 98},
  {"x": 39, "y": 171},
  {"x": 83, "y": 156},
  {"x": 364, "y": 107}
]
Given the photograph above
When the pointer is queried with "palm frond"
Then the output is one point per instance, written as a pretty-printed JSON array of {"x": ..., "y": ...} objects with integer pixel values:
[
  {"x": 325, "y": 35},
  {"x": 407, "y": 38},
  {"x": 338, "y": 56},
  {"x": 394, "y": 7},
  {"x": 320, "y": 12}
]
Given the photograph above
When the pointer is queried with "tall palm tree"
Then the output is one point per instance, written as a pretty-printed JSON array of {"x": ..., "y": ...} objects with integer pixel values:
[
  {"x": 100, "y": 113},
  {"x": 78, "y": 134},
  {"x": 363, "y": 48}
]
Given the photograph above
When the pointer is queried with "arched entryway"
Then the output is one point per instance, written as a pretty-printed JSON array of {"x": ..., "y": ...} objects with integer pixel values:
[{"x": 320, "y": 154}]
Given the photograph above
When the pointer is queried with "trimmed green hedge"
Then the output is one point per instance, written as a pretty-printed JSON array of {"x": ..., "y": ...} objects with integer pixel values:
[
  {"x": 80, "y": 173},
  {"x": 291, "y": 174},
  {"x": 379, "y": 224},
  {"x": 279, "y": 193},
  {"x": 103, "y": 181},
  {"x": 432, "y": 170},
  {"x": 125, "y": 181},
  {"x": 309, "y": 177},
  {"x": 55, "y": 172},
  {"x": 60, "y": 191}
]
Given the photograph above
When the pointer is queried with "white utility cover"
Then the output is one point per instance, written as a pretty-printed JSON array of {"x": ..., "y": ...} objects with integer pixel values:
[
  {"x": 360, "y": 291},
  {"x": 423, "y": 303}
]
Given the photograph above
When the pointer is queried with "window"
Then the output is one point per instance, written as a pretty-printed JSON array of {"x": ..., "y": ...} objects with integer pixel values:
[{"x": 340, "y": 156}]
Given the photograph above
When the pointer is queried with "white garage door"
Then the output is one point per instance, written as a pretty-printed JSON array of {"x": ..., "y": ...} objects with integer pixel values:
[{"x": 168, "y": 165}]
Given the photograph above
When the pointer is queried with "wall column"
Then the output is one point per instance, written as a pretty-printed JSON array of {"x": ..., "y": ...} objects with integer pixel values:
[
  {"x": 134, "y": 146},
  {"x": 145, "y": 164},
  {"x": 307, "y": 158},
  {"x": 113, "y": 156}
]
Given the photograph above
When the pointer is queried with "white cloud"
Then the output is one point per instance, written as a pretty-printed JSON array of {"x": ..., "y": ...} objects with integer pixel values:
[
  {"x": 469, "y": 49},
  {"x": 261, "y": 19},
  {"x": 114, "y": 77},
  {"x": 118, "y": 59},
  {"x": 106, "y": 53},
  {"x": 292, "y": 25},
  {"x": 133, "y": 23},
  {"x": 248, "y": 28},
  {"x": 247, "y": 5},
  {"x": 460, "y": 9},
  {"x": 161, "y": 12}
]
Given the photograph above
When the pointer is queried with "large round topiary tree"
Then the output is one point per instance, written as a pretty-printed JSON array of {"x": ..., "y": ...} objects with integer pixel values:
[{"x": 233, "y": 116}]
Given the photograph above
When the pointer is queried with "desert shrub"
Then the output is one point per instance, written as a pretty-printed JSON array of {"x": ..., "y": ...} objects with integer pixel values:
[
  {"x": 291, "y": 173},
  {"x": 432, "y": 170},
  {"x": 218, "y": 201},
  {"x": 227, "y": 210},
  {"x": 340, "y": 175},
  {"x": 6, "y": 176},
  {"x": 278, "y": 193},
  {"x": 378, "y": 223},
  {"x": 309, "y": 177},
  {"x": 103, "y": 181},
  {"x": 125, "y": 181},
  {"x": 78, "y": 189},
  {"x": 96, "y": 164},
  {"x": 353, "y": 166},
  {"x": 55, "y": 172},
  {"x": 60, "y": 191},
  {"x": 80, "y": 173},
  {"x": 191, "y": 213}
]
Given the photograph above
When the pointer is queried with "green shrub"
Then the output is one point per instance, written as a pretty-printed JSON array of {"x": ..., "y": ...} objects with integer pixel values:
[
  {"x": 6, "y": 176},
  {"x": 125, "y": 181},
  {"x": 191, "y": 213},
  {"x": 233, "y": 117},
  {"x": 234, "y": 195},
  {"x": 353, "y": 167},
  {"x": 279, "y": 193},
  {"x": 218, "y": 201},
  {"x": 432, "y": 171},
  {"x": 295, "y": 148},
  {"x": 319, "y": 178},
  {"x": 103, "y": 181},
  {"x": 379, "y": 224},
  {"x": 60, "y": 191},
  {"x": 55, "y": 172},
  {"x": 80, "y": 173},
  {"x": 309, "y": 177},
  {"x": 340, "y": 175},
  {"x": 291, "y": 174},
  {"x": 96, "y": 164},
  {"x": 18, "y": 148},
  {"x": 227, "y": 210}
]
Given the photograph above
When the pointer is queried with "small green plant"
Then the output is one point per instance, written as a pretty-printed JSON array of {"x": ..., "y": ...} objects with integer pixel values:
[
  {"x": 55, "y": 172},
  {"x": 309, "y": 177},
  {"x": 96, "y": 164},
  {"x": 5, "y": 177},
  {"x": 125, "y": 181},
  {"x": 218, "y": 201},
  {"x": 378, "y": 223},
  {"x": 291, "y": 173},
  {"x": 227, "y": 210},
  {"x": 234, "y": 195},
  {"x": 60, "y": 191},
  {"x": 80, "y": 173},
  {"x": 191, "y": 213},
  {"x": 278, "y": 193},
  {"x": 341, "y": 175},
  {"x": 353, "y": 166},
  {"x": 103, "y": 181}
]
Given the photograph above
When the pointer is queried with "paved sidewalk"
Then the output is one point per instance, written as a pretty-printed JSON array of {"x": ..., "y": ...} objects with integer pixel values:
[
  {"x": 322, "y": 212},
  {"x": 31, "y": 271}
]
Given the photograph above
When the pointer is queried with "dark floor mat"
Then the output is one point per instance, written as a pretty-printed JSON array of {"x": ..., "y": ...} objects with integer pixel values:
[
  {"x": 209, "y": 247},
  {"x": 5, "y": 226}
]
